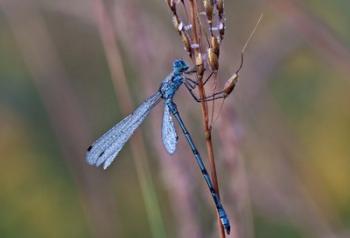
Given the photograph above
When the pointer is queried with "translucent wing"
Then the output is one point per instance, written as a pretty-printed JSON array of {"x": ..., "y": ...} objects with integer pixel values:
[
  {"x": 106, "y": 148},
  {"x": 169, "y": 136}
]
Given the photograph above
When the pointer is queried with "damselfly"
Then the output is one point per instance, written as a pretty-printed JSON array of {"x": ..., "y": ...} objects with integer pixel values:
[{"x": 105, "y": 149}]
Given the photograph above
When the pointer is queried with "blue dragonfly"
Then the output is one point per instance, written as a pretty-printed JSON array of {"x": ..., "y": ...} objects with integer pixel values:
[{"x": 105, "y": 149}]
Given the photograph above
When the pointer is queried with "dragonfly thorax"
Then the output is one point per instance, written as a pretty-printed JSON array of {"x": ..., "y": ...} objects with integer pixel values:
[
  {"x": 173, "y": 81},
  {"x": 170, "y": 85}
]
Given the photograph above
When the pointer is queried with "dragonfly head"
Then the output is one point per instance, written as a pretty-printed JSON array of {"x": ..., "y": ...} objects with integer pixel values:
[{"x": 180, "y": 66}]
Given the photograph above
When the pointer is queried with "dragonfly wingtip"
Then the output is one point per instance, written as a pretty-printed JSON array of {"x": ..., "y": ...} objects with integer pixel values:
[
  {"x": 106, "y": 165},
  {"x": 88, "y": 149}
]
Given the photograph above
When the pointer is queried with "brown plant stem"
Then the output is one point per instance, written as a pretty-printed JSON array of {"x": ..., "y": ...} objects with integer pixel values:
[
  {"x": 204, "y": 107},
  {"x": 238, "y": 197}
]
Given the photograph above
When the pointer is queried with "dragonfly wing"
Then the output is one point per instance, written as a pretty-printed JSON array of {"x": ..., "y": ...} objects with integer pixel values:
[
  {"x": 106, "y": 148},
  {"x": 169, "y": 136}
]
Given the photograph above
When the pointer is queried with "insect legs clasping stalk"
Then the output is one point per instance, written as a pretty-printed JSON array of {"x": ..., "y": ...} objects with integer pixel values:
[{"x": 105, "y": 149}]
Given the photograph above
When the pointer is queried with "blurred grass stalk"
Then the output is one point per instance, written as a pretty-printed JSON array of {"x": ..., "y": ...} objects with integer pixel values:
[
  {"x": 281, "y": 195},
  {"x": 318, "y": 34},
  {"x": 238, "y": 190},
  {"x": 48, "y": 75},
  {"x": 123, "y": 93}
]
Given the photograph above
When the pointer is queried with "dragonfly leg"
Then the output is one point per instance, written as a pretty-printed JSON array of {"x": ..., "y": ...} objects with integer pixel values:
[
  {"x": 190, "y": 90},
  {"x": 194, "y": 83},
  {"x": 190, "y": 85},
  {"x": 211, "y": 74},
  {"x": 213, "y": 97}
]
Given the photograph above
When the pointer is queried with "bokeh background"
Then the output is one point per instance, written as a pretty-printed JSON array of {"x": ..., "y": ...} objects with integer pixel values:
[{"x": 70, "y": 69}]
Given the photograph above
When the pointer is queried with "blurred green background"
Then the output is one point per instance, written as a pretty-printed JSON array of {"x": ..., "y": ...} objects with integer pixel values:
[{"x": 282, "y": 141}]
